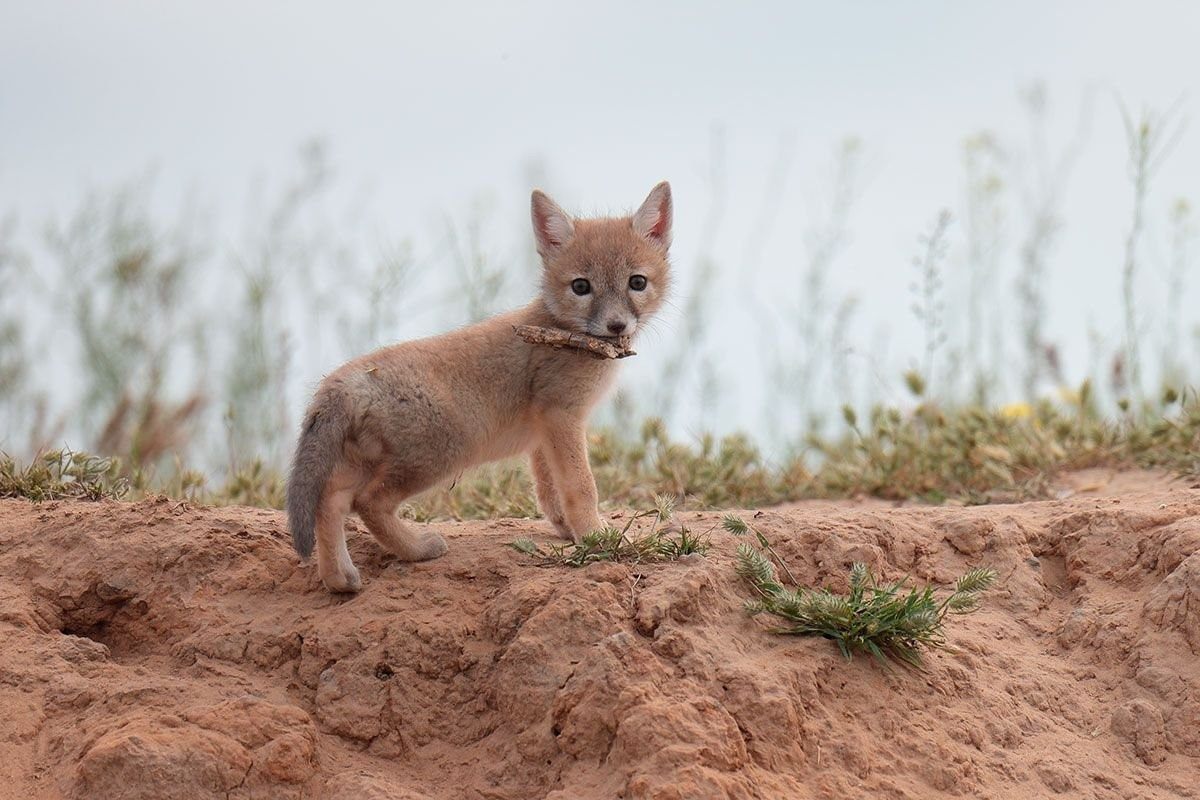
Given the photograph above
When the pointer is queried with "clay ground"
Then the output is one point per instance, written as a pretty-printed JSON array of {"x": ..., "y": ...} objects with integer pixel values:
[{"x": 156, "y": 650}]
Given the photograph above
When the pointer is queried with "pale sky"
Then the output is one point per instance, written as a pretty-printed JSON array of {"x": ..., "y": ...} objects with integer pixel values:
[{"x": 427, "y": 107}]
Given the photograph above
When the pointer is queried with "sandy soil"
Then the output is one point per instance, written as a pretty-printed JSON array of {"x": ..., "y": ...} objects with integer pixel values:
[{"x": 154, "y": 650}]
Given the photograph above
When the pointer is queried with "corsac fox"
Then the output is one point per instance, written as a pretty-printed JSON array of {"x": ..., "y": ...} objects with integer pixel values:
[{"x": 404, "y": 418}]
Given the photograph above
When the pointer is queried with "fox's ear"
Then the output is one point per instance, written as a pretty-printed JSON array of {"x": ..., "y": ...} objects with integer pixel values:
[
  {"x": 653, "y": 219},
  {"x": 552, "y": 227}
]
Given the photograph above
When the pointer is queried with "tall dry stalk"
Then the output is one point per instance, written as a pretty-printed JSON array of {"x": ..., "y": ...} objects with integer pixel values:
[
  {"x": 798, "y": 370},
  {"x": 693, "y": 315},
  {"x": 257, "y": 413},
  {"x": 984, "y": 229},
  {"x": 1045, "y": 176},
  {"x": 929, "y": 303},
  {"x": 1150, "y": 139},
  {"x": 127, "y": 282},
  {"x": 373, "y": 318},
  {"x": 1183, "y": 236},
  {"x": 482, "y": 277},
  {"x": 840, "y": 349},
  {"x": 14, "y": 364}
]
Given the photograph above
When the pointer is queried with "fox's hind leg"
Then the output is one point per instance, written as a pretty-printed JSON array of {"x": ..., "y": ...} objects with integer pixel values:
[
  {"x": 337, "y": 571},
  {"x": 379, "y": 513}
]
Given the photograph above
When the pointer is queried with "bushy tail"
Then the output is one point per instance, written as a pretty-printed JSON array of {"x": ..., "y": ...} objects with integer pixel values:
[{"x": 317, "y": 452}]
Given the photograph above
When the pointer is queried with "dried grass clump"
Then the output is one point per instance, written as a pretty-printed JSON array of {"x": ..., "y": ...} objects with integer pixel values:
[{"x": 62, "y": 473}]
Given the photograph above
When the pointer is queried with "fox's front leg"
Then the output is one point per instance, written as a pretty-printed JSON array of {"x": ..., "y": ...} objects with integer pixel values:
[
  {"x": 565, "y": 448},
  {"x": 547, "y": 492}
]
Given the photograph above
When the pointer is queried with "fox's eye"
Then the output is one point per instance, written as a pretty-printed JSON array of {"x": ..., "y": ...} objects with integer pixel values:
[
  {"x": 637, "y": 283},
  {"x": 580, "y": 286}
]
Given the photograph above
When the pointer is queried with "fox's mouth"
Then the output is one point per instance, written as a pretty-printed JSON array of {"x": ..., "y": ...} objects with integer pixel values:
[{"x": 607, "y": 335}]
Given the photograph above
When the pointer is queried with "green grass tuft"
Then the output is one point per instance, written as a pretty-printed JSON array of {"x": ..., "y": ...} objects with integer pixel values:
[
  {"x": 622, "y": 544},
  {"x": 892, "y": 620}
]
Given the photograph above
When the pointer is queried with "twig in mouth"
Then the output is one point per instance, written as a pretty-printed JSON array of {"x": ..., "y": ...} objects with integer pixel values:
[{"x": 598, "y": 346}]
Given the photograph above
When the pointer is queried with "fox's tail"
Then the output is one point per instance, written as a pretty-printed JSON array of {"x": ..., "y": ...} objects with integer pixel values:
[{"x": 317, "y": 452}]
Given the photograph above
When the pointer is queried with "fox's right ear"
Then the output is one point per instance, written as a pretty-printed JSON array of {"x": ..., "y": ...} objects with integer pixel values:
[{"x": 552, "y": 227}]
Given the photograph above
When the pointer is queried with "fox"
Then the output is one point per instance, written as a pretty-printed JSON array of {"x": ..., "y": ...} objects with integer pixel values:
[{"x": 390, "y": 424}]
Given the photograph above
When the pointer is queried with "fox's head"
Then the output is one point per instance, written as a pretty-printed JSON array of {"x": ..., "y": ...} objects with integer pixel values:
[{"x": 604, "y": 276}]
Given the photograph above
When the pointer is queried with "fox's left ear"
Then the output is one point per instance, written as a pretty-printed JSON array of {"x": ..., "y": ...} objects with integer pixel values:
[{"x": 653, "y": 219}]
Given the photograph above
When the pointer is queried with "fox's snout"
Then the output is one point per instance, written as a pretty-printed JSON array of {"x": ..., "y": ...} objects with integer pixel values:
[{"x": 612, "y": 319}]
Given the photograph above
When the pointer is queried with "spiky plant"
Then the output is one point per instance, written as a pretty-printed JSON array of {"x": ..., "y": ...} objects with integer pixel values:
[
  {"x": 891, "y": 620},
  {"x": 616, "y": 544}
]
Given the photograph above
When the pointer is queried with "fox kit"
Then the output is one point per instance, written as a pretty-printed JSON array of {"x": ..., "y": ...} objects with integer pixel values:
[{"x": 393, "y": 423}]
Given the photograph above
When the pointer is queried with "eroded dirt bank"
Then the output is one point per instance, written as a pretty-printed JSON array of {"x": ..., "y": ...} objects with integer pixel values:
[{"x": 153, "y": 650}]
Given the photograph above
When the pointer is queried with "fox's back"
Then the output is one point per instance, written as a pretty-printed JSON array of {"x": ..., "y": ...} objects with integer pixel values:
[{"x": 474, "y": 393}]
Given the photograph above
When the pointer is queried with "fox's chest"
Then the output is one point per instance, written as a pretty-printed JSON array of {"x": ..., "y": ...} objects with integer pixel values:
[{"x": 572, "y": 381}]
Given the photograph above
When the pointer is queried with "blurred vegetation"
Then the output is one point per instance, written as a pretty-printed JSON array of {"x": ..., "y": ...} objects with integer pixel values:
[
  {"x": 62, "y": 473},
  {"x": 175, "y": 360},
  {"x": 967, "y": 454}
]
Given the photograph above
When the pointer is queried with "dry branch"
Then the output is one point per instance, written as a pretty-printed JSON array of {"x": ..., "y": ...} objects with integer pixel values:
[{"x": 597, "y": 346}]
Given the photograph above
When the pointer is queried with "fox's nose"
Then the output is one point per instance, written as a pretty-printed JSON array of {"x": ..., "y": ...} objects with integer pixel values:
[{"x": 616, "y": 326}]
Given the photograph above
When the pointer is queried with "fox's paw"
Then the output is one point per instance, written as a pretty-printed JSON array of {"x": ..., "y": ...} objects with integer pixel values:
[
  {"x": 343, "y": 581},
  {"x": 590, "y": 526},
  {"x": 561, "y": 530},
  {"x": 431, "y": 545}
]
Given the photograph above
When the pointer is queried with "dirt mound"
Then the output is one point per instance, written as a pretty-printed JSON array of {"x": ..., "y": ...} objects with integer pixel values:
[{"x": 153, "y": 650}]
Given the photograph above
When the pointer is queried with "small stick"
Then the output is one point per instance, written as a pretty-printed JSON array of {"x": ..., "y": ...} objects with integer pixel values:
[{"x": 599, "y": 347}]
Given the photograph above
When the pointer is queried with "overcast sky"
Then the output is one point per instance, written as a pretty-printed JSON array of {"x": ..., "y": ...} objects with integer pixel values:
[{"x": 427, "y": 107}]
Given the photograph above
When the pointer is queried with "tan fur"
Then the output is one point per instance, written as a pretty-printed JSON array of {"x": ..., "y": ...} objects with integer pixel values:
[{"x": 404, "y": 418}]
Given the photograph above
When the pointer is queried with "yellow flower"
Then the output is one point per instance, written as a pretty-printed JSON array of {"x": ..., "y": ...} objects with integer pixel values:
[{"x": 1016, "y": 411}]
